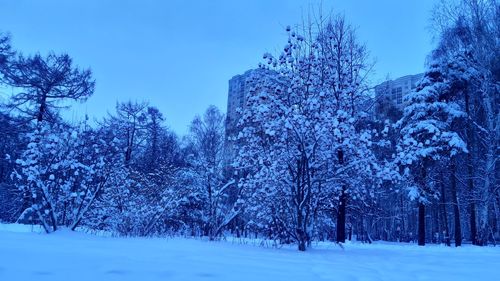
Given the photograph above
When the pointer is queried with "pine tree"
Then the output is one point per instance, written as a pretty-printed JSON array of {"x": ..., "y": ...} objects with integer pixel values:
[
  {"x": 427, "y": 135},
  {"x": 46, "y": 83}
]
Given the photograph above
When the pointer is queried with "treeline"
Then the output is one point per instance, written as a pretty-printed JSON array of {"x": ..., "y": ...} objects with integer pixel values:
[
  {"x": 447, "y": 137},
  {"x": 314, "y": 157},
  {"x": 316, "y": 163},
  {"x": 127, "y": 173}
]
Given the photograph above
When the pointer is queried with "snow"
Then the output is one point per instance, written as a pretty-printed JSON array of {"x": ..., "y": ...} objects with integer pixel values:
[{"x": 66, "y": 255}]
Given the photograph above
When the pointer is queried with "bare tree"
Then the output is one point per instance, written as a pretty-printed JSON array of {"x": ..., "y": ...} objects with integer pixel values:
[
  {"x": 154, "y": 133},
  {"x": 6, "y": 51},
  {"x": 129, "y": 124},
  {"x": 207, "y": 137},
  {"x": 43, "y": 83}
]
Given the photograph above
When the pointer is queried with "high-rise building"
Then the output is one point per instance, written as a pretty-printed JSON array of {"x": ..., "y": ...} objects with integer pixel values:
[
  {"x": 391, "y": 92},
  {"x": 396, "y": 89},
  {"x": 240, "y": 86},
  {"x": 239, "y": 89}
]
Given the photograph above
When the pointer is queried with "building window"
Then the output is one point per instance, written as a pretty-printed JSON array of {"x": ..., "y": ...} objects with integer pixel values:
[
  {"x": 393, "y": 93},
  {"x": 399, "y": 95}
]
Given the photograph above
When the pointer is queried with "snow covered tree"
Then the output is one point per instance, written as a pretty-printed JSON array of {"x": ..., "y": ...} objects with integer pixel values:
[
  {"x": 426, "y": 132},
  {"x": 11, "y": 146},
  {"x": 61, "y": 174},
  {"x": 207, "y": 138},
  {"x": 300, "y": 133},
  {"x": 469, "y": 29}
]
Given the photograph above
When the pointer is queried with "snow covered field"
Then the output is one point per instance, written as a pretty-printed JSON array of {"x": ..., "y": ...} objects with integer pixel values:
[{"x": 65, "y": 255}]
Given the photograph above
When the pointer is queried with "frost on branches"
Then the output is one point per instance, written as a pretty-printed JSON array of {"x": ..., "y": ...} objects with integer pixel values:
[
  {"x": 61, "y": 174},
  {"x": 217, "y": 207}
]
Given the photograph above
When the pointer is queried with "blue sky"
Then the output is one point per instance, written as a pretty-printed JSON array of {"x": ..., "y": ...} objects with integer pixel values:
[{"x": 179, "y": 55}]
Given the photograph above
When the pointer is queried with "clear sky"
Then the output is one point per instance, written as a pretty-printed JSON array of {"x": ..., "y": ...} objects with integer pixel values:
[{"x": 180, "y": 54}]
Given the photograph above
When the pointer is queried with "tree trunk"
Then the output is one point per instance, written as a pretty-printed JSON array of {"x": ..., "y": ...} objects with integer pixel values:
[
  {"x": 446, "y": 231},
  {"x": 456, "y": 209},
  {"x": 342, "y": 205},
  {"x": 472, "y": 205},
  {"x": 421, "y": 224},
  {"x": 341, "y": 217},
  {"x": 43, "y": 108},
  {"x": 421, "y": 205},
  {"x": 300, "y": 198},
  {"x": 435, "y": 223},
  {"x": 211, "y": 216},
  {"x": 470, "y": 172},
  {"x": 302, "y": 239},
  {"x": 301, "y": 235},
  {"x": 496, "y": 208}
]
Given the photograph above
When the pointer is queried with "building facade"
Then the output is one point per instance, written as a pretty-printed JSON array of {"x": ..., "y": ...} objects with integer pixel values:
[
  {"x": 239, "y": 89},
  {"x": 396, "y": 89}
]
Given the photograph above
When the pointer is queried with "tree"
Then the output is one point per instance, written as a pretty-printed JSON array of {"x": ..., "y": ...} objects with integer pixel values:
[
  {"x": 303, "y": 111},
  {"x": 343, "y": 76},
  {"x": 6, "y": 52},
  {"x": 61, "y": 174},
  {"x": 426, "y": 133},
  {"x": 46, "y": 82},
  {"x": 116, "y": 208},
  {"x": 207, "y": 138},
  {"x": 154, "y": 128},
  {"x": 11, "y": 146},
  {"x": 129, "y": 124},
  {"x": 471, "y": 27}
]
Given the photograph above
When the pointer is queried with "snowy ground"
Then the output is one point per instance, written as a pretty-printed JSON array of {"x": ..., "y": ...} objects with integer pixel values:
[{"x": 25, "y": 255}]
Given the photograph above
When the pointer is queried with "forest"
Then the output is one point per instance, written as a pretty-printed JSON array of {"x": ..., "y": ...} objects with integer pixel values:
[{"x": 316, "y": 156}]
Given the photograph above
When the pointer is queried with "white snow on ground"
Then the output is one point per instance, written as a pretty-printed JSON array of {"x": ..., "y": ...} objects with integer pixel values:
[
  {"x": 15, "y": 227},
  {"x": 76, "y": 256}
]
